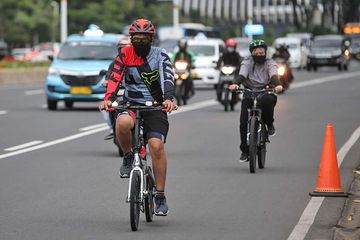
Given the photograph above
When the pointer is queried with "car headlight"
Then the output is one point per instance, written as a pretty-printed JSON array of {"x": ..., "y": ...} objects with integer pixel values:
[
  {"x": 54, "y": 71},
  {"x": 227, "y": 70}
]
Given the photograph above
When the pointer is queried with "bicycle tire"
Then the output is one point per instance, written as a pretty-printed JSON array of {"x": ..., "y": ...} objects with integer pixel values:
[
  {"x": 262, "y": 148},
  {"x": 226, "y": 100},
  {"x": 252, "y": 145},
  {"x": 135, "y": 201},
  {"x": 149, "y": 198}
]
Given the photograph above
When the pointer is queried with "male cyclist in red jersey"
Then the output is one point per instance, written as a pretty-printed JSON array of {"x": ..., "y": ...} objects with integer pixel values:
[{"x": 148, "y": 77}]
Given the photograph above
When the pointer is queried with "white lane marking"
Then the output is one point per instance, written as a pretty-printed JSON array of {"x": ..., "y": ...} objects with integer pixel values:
[
  {"x": 325, "y": 79},
  {"x": 3, "y": 112},
  {"x": 25, "y": 145},
  {"x": 307, "y": 218},
  {"x": 92, "y": 127},
  {"x": 34, "y": 92},
  {"x": 195, "y": 106},
  {"x": 48, "y": 144}
]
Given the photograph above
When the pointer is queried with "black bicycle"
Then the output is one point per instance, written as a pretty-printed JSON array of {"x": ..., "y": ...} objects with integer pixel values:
[
  {"x": 142, "y": 187},
  {"x": 257, "y": 134}
]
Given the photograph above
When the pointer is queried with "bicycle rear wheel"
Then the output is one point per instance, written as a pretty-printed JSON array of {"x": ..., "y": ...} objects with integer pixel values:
[
  {"x": 135, "y": 201},
  {"x": 262, "y": 148},
  {"x": 149, "y": 198},
  {"x": 252, "y": 145}
]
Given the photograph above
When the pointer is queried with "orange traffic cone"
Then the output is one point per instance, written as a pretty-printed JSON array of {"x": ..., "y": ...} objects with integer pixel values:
[{"x": 328, "y": 183}]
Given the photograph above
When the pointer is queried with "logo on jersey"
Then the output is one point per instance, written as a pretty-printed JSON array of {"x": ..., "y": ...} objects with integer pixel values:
[{"x": 150, "y": 77}]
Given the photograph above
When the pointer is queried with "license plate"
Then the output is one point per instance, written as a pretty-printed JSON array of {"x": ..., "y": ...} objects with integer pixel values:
[
  {"x": 80, "y": 90},
  {"x": 194, "y": 75}
]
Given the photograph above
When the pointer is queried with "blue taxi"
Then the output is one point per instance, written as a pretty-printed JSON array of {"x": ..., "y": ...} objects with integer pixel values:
[{"x": 74, "y": 73}]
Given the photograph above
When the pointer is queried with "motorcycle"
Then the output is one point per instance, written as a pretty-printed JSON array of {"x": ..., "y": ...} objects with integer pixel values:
[
  {"x": 224, "y": 96},
  {"x": 182, "y": 75},
  {"x": 283, "y": 73},
  {"x": 112, "y": 113}
]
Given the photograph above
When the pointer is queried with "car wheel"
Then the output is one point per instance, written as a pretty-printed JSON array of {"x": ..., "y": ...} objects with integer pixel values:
[
  {"x": 315, "y": 68},
  {"x": 346, "y": 67},
  {"x": 52, "y": 105}
]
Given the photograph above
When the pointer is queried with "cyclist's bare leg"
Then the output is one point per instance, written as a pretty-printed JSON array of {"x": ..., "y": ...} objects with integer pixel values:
[
  {"x": 124, "y": 124},
  {"x": 159, "y": 162}
]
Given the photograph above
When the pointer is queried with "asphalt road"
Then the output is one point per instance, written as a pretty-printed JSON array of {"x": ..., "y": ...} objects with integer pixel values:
[{"x": 66, "y": 186}]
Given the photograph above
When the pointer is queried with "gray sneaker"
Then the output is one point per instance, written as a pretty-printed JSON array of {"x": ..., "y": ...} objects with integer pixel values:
[
  {"x": 126, "y": 166},
  {"x": 161, "y": 207}
]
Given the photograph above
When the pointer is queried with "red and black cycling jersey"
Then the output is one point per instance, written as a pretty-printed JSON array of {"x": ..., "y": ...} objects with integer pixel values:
[{"x": 146, "y": 79}]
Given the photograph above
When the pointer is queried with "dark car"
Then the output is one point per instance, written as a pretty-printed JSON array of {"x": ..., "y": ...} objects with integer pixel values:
[
  {"x": 329, "y": 50},
  {"x": 355, "y": 46}
]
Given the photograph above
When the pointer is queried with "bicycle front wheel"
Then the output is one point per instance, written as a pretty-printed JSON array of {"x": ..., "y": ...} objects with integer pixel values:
[
  {"x": 262, "y": 148},
  {"x": 252, "y": 144},
  {"x": 135, "y": 201},
  {"x": 149, "y": 198}
]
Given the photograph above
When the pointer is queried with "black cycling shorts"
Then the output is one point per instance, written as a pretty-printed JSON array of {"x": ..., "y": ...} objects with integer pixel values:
[{"x": 156, "y": 123}]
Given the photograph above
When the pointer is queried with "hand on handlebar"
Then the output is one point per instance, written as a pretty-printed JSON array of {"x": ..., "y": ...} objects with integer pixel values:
[
  {"x": 233, "y": 87},
  {"x": 278, "y": 88},
  {"x": 105, "y": 105},
  {"x": 169, "y": 106}
]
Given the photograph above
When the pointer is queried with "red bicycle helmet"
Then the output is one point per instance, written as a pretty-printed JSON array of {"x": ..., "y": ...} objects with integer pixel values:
[
  {"x": 231, "y": 43},
  {"x": 142, "y": 26}
]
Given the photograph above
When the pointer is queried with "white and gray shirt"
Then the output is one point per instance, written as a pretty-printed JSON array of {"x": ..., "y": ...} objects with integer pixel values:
[{"x": 257, "y": 75}]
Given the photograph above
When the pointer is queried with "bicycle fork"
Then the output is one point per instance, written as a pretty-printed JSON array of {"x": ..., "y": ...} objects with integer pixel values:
[{"x": 138, "y": 169}]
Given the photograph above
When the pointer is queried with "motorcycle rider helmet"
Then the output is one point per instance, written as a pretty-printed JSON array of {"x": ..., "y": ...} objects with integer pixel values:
[
  {"x": 143, "y": 26},
  {"x": 258, "y": 56},
  {"x": 231, "y": 43},
  {"x": 182, "y": 44},
  {"x": 257, "y": 43}
]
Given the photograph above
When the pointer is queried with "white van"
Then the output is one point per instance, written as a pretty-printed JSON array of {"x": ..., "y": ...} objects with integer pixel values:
[{"x": 207, "y": 53}]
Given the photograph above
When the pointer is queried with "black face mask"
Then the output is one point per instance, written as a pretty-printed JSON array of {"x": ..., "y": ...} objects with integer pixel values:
[
  {"x": 259, "y": 59},
  {"x": 141, "y": 49}
]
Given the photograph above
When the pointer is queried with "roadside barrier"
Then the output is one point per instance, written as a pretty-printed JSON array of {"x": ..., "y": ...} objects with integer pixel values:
[{"x": 328, "y": 183}]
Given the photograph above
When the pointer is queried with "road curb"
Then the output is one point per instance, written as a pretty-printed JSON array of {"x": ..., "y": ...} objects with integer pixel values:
[{"x": 348, "y": 227}]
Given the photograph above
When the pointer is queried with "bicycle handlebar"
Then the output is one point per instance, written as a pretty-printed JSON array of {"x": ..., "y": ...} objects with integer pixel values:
[
  {"x": 127, "y": 105},
  {"x": 243, "y": 90}
]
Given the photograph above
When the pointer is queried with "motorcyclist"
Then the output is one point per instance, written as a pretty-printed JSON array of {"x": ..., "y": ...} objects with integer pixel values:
[
  {"x": 109, "y": 116},
  {"x": 229, "y": 58},
  {"x": 148, "y": 77},
  {"x": 282, "y": 52},
  {"x": 184, "y": 54},
  {"x": 257, "y": 72}
]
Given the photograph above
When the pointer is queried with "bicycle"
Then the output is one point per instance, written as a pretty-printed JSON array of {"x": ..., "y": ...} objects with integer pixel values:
[
  {"x": 142, "y": 187},
  {"x": 257, "y": 134}
]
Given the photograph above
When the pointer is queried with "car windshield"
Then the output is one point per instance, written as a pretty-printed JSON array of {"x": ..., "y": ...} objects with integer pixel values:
[
  {"x": 326, "y": 43},
  {"x": 202, "y": 50},
  {"x": 88, "y": 51}
]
